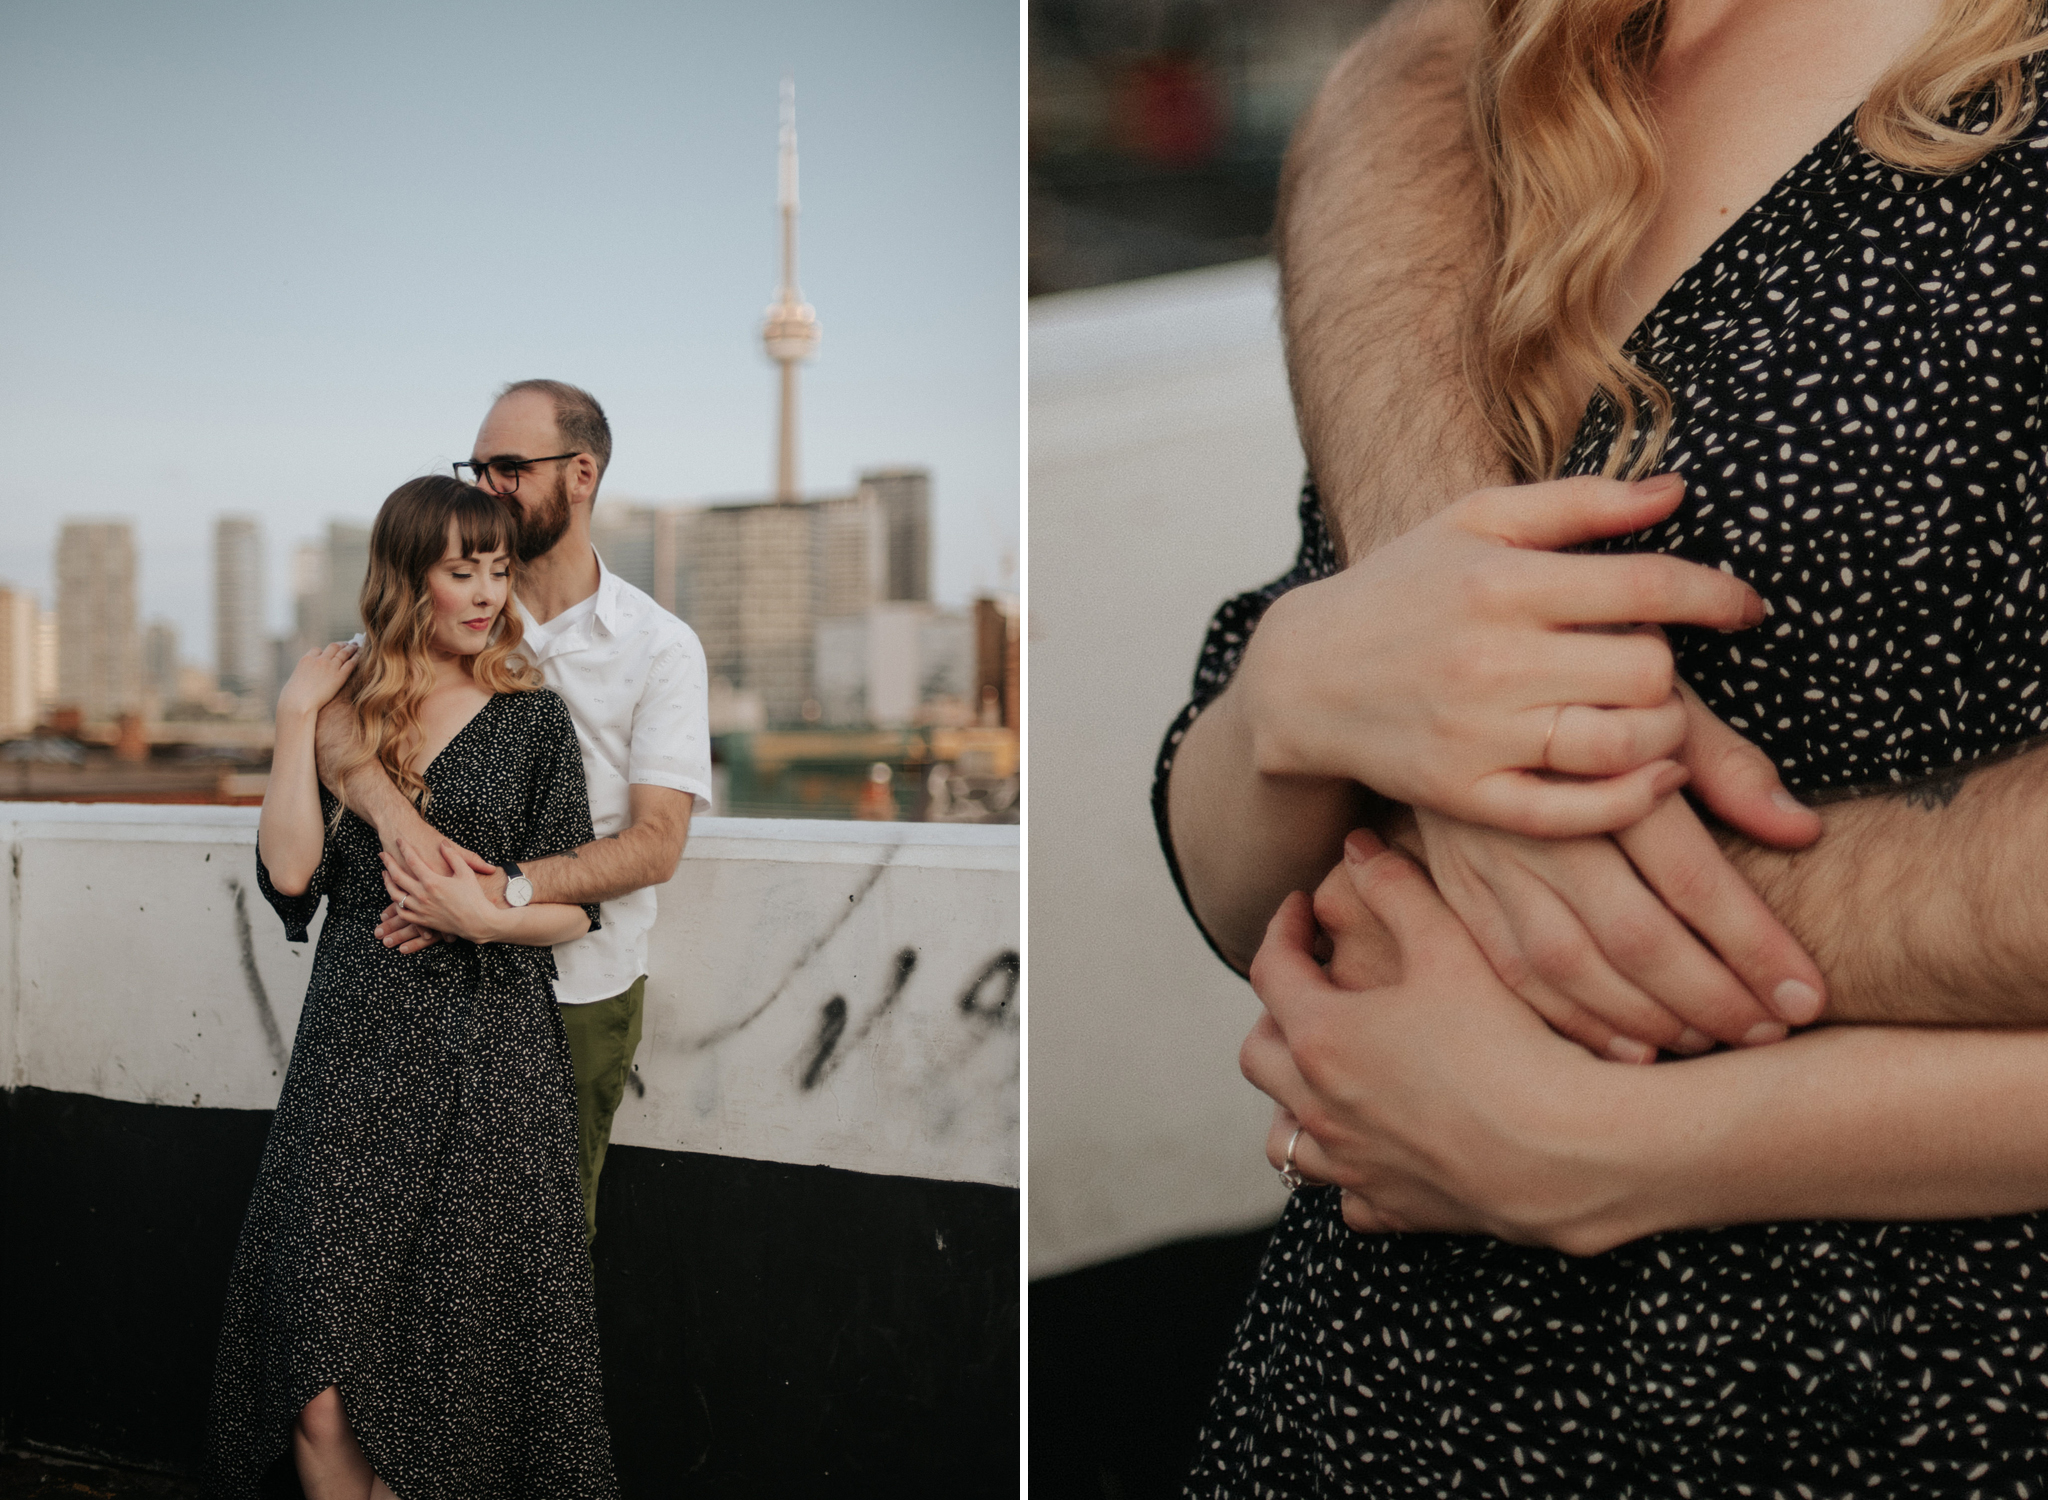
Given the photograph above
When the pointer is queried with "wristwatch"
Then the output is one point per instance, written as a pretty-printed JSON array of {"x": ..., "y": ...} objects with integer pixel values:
[{"x": 518, "y": 889}]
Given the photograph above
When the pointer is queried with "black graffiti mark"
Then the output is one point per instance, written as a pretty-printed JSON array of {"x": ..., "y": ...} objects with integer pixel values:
[
  {"x": 829, "y": 1033},
  {"x": 634, "y": 1082},
  {"x": 831, "y": 1026},
  {"x": 732, "y": 1028},
  {"x": 1010, "y": 967},
  {"x": 271, "y": 1033}
]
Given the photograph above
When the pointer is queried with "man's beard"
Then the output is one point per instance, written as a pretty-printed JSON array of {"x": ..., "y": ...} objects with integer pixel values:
[{"x": 541, "y": 527}]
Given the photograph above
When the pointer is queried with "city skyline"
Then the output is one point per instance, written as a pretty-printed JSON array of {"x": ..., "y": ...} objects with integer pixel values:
[{"x": 222, "y": 301}]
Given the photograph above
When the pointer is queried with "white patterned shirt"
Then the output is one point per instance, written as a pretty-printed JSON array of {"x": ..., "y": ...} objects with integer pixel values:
[{"x": 633, "y": 676}]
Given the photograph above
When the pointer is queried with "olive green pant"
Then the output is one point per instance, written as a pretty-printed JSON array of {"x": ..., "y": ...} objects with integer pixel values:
[{"x": 603, "y": 1036}]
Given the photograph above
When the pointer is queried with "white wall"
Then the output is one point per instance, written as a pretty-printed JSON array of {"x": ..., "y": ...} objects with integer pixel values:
[
  {"x": 1164, "y": 470},
  {"x": 138, "y": 961}
]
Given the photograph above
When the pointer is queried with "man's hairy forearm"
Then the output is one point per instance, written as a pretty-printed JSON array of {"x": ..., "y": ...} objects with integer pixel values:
[
  {"x": 1924, "y": 904},
  {"x": 1381, "y": 230},
  {"x": 603, "y": 869},
  {"x": 366, "y": 790},
  {"x": 1383, "y": 236}
]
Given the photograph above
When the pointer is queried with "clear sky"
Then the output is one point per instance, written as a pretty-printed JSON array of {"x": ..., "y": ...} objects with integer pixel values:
[{"x": 274, "y": 259}]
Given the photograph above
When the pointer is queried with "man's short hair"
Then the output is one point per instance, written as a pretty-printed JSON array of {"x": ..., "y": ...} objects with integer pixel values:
[{"x": 578, "y": 418}]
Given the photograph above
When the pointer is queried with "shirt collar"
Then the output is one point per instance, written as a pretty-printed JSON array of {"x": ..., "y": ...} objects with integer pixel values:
[{"x": 608, "y": 599}]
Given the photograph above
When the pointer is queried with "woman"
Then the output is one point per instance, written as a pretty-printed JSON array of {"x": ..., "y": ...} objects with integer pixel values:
[
  {"x": 1827, "y": 379},
  {"x": 411, "y": 1310}
]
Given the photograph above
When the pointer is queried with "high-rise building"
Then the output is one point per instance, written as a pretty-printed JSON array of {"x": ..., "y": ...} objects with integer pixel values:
[
  {"x": 348, "y": 564},
  {"x": 241, "y": 649},
  {"x": 99, "y": 654},
  {"x": 638, "y": 542},
  {"x": 160, "y": 663},
  {"x": 904, "y": 497},
  {"x": 745, "y": 586},
  {"x": 20, "y": 616},
  {"x": 327, "y": 587}
]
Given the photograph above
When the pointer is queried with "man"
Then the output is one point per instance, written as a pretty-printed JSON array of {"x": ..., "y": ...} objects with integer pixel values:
[
  {"x": 634, "y": 678},
  {"x": 1918, "y": 906}
]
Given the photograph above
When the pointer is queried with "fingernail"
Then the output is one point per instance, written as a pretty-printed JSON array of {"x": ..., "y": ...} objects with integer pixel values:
[
  {"x": 1763, "y": 1034},
  {"x": 1360, "y": 846},
  {"x": 1753, "y": 612},
  {"x": 1692, "y": 1042},
  {"x": 1784, "y": 801},
  {"x": 1629, "y": 1050},
  {"x": 1658, "y": 484},
  {"x": 1798, "y": 1003}
]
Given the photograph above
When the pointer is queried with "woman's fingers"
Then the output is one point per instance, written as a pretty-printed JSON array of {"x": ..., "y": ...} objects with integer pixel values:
[
  {"x": 1690, "y": 875},
  {"x": 1564, "y": 512},
  {"x": 1573, "y": 588},
  {"x": 1579, "y": 740},
  {"x": 1738, "y": 782},
  {"x": 1543, "y": 807}
]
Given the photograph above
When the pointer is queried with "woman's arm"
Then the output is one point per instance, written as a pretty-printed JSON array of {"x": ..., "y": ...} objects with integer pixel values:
[
  {"x": 1439, "y": 1102},
  {"x": 438, "y": 888},
  {"x": 290, "y": 833}
]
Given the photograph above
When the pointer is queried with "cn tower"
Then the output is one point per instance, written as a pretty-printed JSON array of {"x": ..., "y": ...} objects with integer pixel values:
[{"x": 790, "y": 331}]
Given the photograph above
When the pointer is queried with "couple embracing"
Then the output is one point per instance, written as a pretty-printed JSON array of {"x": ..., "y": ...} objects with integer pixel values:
[{"x": 518, "y": 737}]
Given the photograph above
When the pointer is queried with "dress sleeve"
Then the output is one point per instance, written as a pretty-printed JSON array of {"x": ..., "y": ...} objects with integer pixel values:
[
  {"x": 297, "y": 911},
  {"x": 1222, "y": 649},
  {"x": 557, "y": 796}
]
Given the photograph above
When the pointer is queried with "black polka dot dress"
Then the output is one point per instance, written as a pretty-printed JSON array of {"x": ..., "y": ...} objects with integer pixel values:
[
  {"x": 1857, "y": 366},
  {"x": 416, "y": 1233}
]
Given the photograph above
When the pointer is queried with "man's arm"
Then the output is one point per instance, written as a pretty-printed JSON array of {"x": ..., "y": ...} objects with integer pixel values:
[
  {"x": 1438, "y": 1101},
  {"x": 1382, "y": 235},
  {"x": 1381, "y": 215},
  {"x": 645, "y": 852},
  {"x": 1925, "y": 904}
]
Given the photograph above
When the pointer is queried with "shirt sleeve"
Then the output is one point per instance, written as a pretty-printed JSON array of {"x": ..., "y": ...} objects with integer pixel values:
[
  {"x": 297, "y": 911},
  {"x": 671, "y": 744},
  {"x": 1230, "y": 630},
  {"x": 557, "y": 796}
]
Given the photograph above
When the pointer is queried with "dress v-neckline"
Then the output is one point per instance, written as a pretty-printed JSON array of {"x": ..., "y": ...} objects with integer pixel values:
[
  {"x": 481, "y": 710},
  {"x": 1684, "y": 280}
]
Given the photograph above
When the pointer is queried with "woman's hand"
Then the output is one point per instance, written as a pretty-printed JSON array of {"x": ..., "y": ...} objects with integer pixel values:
[
  {"x": 1448, "y": 669},
  {"x": 318, "y": 677},
  {"x": 438, "y": 890},
  {"x": 1432, "y": 1095}
]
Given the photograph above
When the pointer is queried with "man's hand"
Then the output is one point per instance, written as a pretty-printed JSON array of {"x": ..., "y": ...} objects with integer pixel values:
[
  {"x": 1651, "y": 938},
  {"x": 1433, "y": 1096}
]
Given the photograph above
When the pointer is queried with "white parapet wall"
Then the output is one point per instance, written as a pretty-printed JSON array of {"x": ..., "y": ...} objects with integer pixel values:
[
  {"x": 831, "y": 994},
  {"x": 1164, "y": 470}
]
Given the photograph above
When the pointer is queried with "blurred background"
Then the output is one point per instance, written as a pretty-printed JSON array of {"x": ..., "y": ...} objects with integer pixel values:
[
  {"x": 1164, "y": 474},
  {"x": 262, "y": 264},
  {"x": 1157, "y": 128}
]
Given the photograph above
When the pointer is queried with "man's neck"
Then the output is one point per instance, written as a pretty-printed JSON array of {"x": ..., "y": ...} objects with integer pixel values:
[{"x": 561, "y": 577}]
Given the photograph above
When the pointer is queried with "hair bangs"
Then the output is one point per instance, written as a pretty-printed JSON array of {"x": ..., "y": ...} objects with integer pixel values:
[{"x": 483, "y": 525}]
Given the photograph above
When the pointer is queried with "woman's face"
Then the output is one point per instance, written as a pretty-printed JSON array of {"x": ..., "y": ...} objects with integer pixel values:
[{"x": 469, "y": 594}]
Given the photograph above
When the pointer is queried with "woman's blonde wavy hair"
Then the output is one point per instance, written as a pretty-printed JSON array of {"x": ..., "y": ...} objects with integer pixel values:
[
  {"x": 393, "y": 672},
  {"x": 1560, "y": 106}
]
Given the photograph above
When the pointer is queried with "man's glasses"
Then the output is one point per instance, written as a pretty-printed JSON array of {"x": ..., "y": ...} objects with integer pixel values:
[{"x": 504, "y": 470}]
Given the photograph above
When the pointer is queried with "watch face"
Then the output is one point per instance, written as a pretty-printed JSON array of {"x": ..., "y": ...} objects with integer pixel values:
[{"x": 518, "y": 891}]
